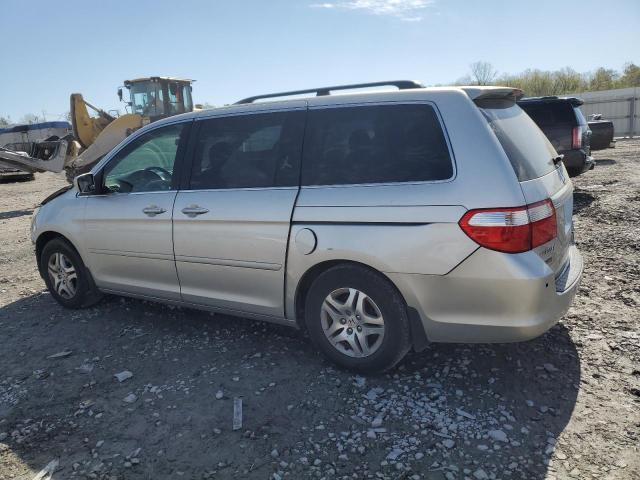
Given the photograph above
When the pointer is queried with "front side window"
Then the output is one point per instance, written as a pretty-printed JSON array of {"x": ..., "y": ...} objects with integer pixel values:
[
  {"x": 249, "y": 151},
  {"x": 146, "y": 164},
  {"x": 375, "y": 144}
]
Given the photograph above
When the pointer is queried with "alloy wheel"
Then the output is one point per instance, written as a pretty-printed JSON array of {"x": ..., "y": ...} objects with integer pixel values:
[
  {"x": 62, "y": 273},
  {"x": 352, "y": 322}
]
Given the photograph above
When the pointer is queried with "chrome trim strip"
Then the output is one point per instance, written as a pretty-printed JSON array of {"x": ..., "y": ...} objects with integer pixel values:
[
  {"x": 229, "y": 262},
  {"x": 158, "y": 256}
]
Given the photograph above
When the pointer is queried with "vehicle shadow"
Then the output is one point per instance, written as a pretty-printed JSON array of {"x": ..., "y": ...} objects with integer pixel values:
[
  {"x": 59, "y": 399},
  {"x": 15, "y": 213},
  {"x": 582, "y": 200},
  {"x": 605, "y": 161}
]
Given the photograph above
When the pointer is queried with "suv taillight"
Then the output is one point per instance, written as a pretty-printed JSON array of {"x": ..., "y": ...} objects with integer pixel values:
[
  {"x": 576, "y": 137},
  {"x": 511, "y": 230}
]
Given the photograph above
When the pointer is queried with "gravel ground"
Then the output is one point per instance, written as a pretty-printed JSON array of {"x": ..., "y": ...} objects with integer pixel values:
[{"x": 566, "y": 405}]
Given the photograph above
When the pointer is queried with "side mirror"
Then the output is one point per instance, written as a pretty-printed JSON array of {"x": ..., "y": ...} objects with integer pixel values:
[
  {"x": 120, "y": 94},
  {"x": 85, "y": 183}
]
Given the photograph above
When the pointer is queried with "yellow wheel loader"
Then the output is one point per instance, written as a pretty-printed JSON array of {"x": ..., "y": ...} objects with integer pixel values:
[{"x": 150, "y": 99}]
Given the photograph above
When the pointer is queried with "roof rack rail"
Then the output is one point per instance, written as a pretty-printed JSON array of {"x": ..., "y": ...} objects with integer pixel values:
[{"x": 323, "y": 91}]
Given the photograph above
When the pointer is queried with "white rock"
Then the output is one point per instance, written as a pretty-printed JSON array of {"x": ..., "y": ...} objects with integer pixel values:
[
  {"x": 480, "y": 474},
  {"x": 219, "y": 394},
  {"x": 448, "y": 443},
  {"x": 132, "y": 397},
  {"x": 498, "y": 435},
  {"x": 550, "y": 368},
  {"x": 377, "y": 422},
  {"x": 122, "y": 376},
  {"x": 462, "y": 413},
  {"x": 394, "y": 454},
  {"x": 373, "y": 393}
]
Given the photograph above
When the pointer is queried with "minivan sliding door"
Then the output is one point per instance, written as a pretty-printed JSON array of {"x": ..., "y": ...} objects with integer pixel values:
[{"x": 231, "y": 224}]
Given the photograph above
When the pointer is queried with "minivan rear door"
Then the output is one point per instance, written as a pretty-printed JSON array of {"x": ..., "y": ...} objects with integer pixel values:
[{"x": 539, "y": 170}]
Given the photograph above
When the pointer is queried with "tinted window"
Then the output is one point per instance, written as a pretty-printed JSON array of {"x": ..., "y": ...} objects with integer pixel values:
[
  {"x": 375, "y": 144},
  {"x": 244, "y": 151},
  {"x": 550, "y": 113},
  {"x": 529, "y": 151},
  {"x": 146, "y": 164},
  {"x": 580, "y": 118}
]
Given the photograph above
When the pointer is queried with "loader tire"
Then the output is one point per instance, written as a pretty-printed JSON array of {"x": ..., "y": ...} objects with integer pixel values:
[{"x": 73, "y": 172}]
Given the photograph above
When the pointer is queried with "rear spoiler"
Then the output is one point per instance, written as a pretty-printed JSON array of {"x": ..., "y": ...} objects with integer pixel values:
[
  {"x": 574, "y": 101},
  {"x": 493, "y": 93}
]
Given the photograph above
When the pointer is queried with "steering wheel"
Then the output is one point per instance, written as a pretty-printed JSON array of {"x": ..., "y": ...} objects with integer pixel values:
[{"x": 163, "y": 174}]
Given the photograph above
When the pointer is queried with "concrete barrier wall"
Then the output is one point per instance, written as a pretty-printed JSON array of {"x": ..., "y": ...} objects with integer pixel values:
[{"x": 622, "y": 106}]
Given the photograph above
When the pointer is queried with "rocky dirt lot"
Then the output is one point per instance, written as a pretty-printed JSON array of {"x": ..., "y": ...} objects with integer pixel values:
[{"x": 566, "y": 405}]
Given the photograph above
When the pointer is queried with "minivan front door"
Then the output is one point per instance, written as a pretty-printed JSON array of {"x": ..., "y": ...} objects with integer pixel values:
[
  {"x": 231, "y": 225},
  {"x": 128, "y": 225}
]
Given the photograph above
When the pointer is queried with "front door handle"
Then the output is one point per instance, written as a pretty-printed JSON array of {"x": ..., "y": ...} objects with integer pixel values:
[
  {"x": 153, "y": 210},
  {"x": 193, "y": 210}
]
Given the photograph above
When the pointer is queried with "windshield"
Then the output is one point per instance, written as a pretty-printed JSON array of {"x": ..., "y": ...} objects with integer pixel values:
[
  {"x": 528, "y": 150},
  {"x": 147, "y": 99}
]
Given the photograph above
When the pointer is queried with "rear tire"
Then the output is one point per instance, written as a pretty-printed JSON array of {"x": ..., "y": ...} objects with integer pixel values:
[
  {"x": 357, "y": 319},
  {"x": 66, "y": 276}
]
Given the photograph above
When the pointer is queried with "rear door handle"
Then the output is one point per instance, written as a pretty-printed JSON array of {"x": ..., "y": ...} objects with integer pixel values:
[
  {"x": 193, "y": 210},
  {"x": 153, "y": 210}
]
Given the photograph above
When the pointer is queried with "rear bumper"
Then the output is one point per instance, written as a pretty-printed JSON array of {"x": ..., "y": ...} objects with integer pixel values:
[
  {"x": 492, "y": 297},
  {"x": 577, "y": 161}
]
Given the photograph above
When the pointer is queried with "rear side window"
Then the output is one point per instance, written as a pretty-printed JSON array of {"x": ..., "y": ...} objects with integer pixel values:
[
  {"x": 527, "y": 148},
  {"x": 550, "y": 113},
  {"x": 579, "y": 116},
  {"x": 375, "y": 144},
  {"x": 249, "y": 151}
]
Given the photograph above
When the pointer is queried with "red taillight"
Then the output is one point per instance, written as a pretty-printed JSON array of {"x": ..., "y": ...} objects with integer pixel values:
[
  {"x": 576, "y": 137},
  {"x": 511, "y": 230}
]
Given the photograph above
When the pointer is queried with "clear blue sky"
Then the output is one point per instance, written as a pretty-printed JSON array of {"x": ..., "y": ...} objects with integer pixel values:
[{"x": 236, "y": 48}]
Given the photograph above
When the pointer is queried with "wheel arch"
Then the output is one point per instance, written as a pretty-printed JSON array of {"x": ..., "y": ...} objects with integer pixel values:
[
  {"x": 46, "y": 237},
  {"x": 418, "y": 335}
]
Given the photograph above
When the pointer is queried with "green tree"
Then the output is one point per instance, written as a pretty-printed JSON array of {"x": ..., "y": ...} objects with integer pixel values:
[
  {"x": 630, "y": 76},
  {"x": 603, "y": 79},
  {"x": 567, "y": 80},
  {"x": 4, "y": 121}
]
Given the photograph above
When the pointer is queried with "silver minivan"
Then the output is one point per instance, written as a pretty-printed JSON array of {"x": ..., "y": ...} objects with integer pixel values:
[{"x": 377, "y": 221}]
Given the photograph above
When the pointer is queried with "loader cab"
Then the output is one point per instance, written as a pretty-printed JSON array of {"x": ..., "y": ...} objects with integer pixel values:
[{"x": 159, "y": 97}]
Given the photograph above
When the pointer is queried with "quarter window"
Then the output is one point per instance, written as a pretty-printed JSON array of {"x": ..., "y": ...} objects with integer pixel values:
[
  {"x": 147, "y": 163},
  {"x": 375, "y": 144},
  {"x": 249, "y": 151}
]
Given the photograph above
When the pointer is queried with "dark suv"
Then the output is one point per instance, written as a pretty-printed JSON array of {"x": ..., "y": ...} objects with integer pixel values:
[{"x": 566, "y": 128}]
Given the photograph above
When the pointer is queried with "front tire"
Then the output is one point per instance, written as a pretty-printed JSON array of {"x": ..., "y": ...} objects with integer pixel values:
[
  {"x": 66, "y": 276},
  {"x": 357, "y": 319}
]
